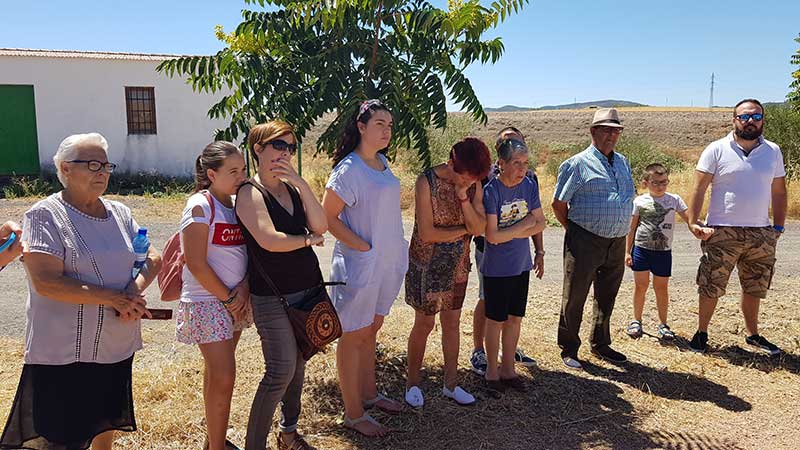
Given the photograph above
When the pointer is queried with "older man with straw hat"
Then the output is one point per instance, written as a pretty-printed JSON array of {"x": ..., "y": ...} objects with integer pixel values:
[{"x": 593, "y": 200}]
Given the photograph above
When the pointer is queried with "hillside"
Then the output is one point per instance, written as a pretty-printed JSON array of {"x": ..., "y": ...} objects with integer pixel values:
[{"x": 598, "y": 103}]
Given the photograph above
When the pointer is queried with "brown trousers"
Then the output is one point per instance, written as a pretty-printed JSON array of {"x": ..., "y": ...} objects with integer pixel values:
[{"x": 588, "y": 259}]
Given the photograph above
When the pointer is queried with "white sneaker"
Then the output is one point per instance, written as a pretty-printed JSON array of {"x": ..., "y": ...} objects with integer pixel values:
[
  {"x": 461, "y": 396},
  {"x": 414, "y": 397}
]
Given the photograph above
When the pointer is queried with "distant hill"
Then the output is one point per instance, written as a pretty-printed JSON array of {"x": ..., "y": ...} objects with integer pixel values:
[
  {"x": 598, "y": 103},
  {"x": 509, "y": 108}
]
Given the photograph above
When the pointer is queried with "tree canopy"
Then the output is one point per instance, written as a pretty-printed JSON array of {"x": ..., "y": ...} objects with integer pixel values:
[
  {"x": 299, "y": 59},
  {"x": 794, "y": 93}
]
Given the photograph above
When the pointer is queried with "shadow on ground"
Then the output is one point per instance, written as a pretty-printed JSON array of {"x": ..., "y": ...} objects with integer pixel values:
[{"x": 560, "y": 410}]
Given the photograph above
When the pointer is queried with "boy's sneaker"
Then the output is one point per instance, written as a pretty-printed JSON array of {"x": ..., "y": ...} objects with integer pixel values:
[
  {"x": 478, "y": 361},
  {"x": 761, "y": 343},
  {"x": 699, "y": 342},
  {"x": 523, "y": 359},
  {"x": 665, "y": 333}
]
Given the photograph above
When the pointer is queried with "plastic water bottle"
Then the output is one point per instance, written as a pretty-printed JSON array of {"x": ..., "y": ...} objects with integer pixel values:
[{"x": 140, "y": 246}]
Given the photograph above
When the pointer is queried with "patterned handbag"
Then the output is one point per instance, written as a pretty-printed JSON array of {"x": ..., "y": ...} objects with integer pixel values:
[{"x": 314, "y": 319}]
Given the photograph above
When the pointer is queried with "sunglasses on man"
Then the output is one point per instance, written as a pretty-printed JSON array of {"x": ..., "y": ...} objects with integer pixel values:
[
  {"x": 745, "y": 117},
  {"x": 281, "y": 145}
]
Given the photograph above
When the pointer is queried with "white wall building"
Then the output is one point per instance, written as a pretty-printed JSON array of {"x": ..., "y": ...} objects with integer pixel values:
[{"x": 153, "y": 123}]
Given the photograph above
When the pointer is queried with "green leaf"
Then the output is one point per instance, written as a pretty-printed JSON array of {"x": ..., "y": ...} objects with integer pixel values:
[{"x": 301, "y": 59}]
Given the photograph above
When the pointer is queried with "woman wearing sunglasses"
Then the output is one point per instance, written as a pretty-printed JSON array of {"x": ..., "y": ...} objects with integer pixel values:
[
  {"x": 281, "y": 219},
  {"x": 362, "y": 203},
  {"x": 83, "y": 309}
]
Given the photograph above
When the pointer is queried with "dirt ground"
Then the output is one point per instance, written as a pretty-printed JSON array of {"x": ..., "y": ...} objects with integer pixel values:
[{"x": 665, "y": 397}]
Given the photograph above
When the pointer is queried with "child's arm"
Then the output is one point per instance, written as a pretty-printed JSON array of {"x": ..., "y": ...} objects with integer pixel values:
[{"x": 629, "y": 240}]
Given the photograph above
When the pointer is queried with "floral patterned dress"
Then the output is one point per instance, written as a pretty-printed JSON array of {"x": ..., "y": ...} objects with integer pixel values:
[{"x": 438, "y": 272}]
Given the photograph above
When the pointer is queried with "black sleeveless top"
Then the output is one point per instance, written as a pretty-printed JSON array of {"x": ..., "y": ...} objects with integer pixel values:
[{"x": 292, "y": 271}]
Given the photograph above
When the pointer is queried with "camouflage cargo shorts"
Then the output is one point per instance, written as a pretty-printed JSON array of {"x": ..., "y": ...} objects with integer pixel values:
[{"x": 750, "y": 249}]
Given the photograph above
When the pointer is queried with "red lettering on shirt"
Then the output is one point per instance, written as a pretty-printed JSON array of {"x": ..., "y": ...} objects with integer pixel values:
[{"x": 227, "y": 234}]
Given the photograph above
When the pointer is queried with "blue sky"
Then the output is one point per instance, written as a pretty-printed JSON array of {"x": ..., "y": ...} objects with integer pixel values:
[{"x": 653, "y": 52}]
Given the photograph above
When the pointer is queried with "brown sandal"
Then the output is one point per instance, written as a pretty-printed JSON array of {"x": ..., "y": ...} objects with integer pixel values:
[{"x": 298, "y": 443}]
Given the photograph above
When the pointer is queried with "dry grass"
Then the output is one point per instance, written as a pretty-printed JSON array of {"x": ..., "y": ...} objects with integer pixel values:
[{"x": 666, "y": 397}]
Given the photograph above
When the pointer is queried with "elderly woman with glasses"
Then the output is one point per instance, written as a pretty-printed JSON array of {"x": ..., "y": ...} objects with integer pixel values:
[{"x": 83, "y": 309}]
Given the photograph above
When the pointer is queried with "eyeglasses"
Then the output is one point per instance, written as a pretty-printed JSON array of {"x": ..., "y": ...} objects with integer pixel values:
[
  {"x": 745, "y": 117},
  {"x": 658, "y": 183},
  {"x": 95, "y": 165},
  {"x": 281, "y": 145},
  {"x": 609, "y": 130}
]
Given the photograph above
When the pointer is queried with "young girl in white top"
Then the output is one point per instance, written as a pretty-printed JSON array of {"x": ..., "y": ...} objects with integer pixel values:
[{"x": 214, "y": 306}]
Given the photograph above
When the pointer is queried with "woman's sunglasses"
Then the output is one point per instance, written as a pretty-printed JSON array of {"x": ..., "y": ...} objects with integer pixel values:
[{"x": 281, "y": 145}]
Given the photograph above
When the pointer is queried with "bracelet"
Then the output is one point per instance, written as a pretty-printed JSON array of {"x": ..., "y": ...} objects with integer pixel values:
[
  {"x": 464, "y": 200},
  {"x": 229, "y": 300},
  {"x": 537, "y": 252},
  {"x": 778, "y": 228}
]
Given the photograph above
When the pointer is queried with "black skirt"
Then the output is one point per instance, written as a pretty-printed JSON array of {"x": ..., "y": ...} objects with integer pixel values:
[{"x": 65, "y": 407}]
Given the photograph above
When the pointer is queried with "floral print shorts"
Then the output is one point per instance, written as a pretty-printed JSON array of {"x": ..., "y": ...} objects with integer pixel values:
[{"x": 206, "y": 322}]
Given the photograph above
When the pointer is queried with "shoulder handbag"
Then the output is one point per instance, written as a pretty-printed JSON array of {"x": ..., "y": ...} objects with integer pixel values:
[{"x": 314, "y": 319}]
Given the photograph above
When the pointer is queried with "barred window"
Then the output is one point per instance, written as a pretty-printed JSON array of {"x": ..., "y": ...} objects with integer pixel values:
[{"x": 140, "y": 104}]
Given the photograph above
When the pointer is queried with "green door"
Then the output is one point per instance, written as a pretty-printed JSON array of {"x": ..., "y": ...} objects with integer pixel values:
[{"x": 19, "y": 146}]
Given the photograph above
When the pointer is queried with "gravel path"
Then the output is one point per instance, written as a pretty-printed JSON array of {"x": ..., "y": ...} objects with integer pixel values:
[{"x": 686, "y": 252}]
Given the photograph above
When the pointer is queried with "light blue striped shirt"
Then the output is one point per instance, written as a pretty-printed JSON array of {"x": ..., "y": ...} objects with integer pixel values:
[{"x": 600, "y": 194}]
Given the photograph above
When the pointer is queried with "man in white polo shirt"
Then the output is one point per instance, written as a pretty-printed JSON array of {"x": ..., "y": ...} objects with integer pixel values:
[{"x": 747, "y": 175}]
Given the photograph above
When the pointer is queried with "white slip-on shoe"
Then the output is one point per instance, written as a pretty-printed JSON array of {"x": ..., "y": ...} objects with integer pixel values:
[
  {"x": 460, "y": 396},
  {"x": 414, "y": 397}
]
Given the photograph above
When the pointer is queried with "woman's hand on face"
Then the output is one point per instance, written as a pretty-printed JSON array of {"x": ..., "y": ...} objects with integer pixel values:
[
  {"x": 130, "y": 304},
  {"x": 283, "y": 169},
  {"x": 461, "y": 191}
]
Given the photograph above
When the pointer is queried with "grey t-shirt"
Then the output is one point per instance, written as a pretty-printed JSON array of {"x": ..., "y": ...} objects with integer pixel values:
[
  {"x": 96, "y": 251},
  {"x": 656, "y": 220}
]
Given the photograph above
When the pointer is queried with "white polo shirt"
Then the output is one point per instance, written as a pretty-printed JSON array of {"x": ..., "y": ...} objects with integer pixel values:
[{"x": 741, "y": 191}]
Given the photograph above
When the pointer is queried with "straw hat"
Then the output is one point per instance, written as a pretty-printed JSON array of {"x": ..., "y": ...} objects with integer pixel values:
[{"x": 606, "y": 117}]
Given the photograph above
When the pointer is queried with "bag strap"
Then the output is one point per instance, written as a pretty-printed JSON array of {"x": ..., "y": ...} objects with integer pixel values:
[
  {"x": 272, "y": 286},
  {"x": 210, "y": 199}
]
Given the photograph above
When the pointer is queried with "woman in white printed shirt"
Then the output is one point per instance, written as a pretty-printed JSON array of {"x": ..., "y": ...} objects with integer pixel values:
[{"x": 214, "y": 306}]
